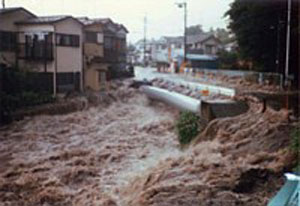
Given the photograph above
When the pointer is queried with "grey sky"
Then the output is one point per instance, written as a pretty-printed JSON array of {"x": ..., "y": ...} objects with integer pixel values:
[{"x": 164, "y": 17}]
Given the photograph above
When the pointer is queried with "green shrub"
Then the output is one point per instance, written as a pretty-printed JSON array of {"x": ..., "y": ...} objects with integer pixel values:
[
  {"x": 187, "y": 127},
  {"x": 295, "y": 145}
]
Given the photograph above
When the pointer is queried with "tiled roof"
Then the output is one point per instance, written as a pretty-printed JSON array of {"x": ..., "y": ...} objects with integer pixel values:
[
  {"x": 44, "y": 19},
  {"x": 88, "y": 21},
  {"x": 9, "y": 9},
  {"x": 13, "y": 9},
  {"x": 175, "y": 39},
  {"x": 198, "y": 38}
]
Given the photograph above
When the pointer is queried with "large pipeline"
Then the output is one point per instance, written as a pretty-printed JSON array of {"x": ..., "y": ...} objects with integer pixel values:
[
  {"x": 208, "y": 110},
  {"x": 177, "y": 100}
]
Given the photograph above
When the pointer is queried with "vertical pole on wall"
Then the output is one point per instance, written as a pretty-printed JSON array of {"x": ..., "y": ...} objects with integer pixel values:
[
  {"x": 288, "y": 34},
  {"x": 45, "y": 52},
  {"x": 55, "y": 64},
  {"x": 287, "y": 83},
  {"x": 3, "y": 4}
]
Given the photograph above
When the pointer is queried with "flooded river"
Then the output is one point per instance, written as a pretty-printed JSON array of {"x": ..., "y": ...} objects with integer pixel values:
[{"x": 84, "y": 158}]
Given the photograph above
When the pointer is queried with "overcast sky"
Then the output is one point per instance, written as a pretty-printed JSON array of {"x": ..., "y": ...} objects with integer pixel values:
[{"x": 164, "y": 17}]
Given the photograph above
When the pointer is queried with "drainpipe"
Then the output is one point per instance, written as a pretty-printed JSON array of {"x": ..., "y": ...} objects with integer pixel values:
[
  {"x": 55, "y": 64},
  {"x": 83, "y": 63}
]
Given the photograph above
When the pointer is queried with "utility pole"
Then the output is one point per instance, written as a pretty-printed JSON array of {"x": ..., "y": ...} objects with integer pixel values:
[
  {"x": 288, "y": 34},
  {"x": 184, "y": 6},
  {"x": 145, "y": 39},
  {"x": 3, "y": 4}
]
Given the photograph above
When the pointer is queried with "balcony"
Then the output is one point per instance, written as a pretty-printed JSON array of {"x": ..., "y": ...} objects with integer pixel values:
[{"x": 40, "y": 51}]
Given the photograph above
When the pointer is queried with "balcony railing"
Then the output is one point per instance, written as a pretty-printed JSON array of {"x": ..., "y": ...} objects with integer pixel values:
[{"x": 40, "y": 51}]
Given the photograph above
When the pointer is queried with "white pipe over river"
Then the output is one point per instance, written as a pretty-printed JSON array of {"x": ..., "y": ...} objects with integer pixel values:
[{"x": 177, "y": 100}]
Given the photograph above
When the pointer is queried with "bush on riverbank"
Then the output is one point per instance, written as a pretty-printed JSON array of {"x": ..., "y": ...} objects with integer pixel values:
[
  {"x": 19, "y": 90},
  {"x": 187, "y": 127},
  {"x": 295, "y": 145}
]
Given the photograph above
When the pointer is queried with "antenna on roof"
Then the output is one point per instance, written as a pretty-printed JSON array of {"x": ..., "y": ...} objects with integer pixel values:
[{"x": 3, "y": 4}]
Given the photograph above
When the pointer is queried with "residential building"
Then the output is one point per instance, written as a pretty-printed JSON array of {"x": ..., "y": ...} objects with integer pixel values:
[
  {"x": 70, "y": 49},
  {"x": 52, "y": 44},
  {"x": 104, "y": 51},
  {"x": 8, "y": 33},
  {"x": 95, "y": 70},
  {"x": 204, "y": 43}
]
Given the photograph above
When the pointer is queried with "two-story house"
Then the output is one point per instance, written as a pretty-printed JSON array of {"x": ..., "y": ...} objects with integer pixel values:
[
  {"x": 52, "y": 44},
  {"x": 204, "y": 43},
  {"x": 9, "y": 33},
  {"x": 69, "y": 49},
  {"x": 104, "y": 51},
  {"x": 114, "y": 47},
  {"x": 95, "y": 70}
]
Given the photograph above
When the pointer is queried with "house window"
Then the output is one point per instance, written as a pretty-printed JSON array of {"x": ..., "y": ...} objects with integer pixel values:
[
  {"x": 209, "y": 49},
  {"x": 108, "y": 43},
  {"x": 94, "y": 37},
  {"x": 178, "y": 46},
  {"x": 8, "y": 41},
  {"x": 69, "y": 40}
]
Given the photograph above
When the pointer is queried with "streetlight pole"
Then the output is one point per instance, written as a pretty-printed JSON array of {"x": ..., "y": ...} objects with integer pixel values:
[{"x": 184, "y": 6}]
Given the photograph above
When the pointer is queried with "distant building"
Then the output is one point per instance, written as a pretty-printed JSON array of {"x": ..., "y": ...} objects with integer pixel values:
[
  {"x": 204, "y": 43},
  {"x": 169, "y": 50},
  {"x": 231, "y": 46}
]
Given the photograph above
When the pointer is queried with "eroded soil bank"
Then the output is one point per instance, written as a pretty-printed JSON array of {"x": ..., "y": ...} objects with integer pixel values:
[{"x": 234, "y": 161}]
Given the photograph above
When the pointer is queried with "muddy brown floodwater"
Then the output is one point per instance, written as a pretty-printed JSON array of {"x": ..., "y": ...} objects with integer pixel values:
[
  {"x": 84, "y": 158},
  {"x": 127, "y": 154}
]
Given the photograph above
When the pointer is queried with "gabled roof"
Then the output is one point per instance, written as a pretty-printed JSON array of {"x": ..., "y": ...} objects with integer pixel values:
[
  {"x": 47, "y": 19},
  {"x": 121, "y": 26},
  {"x": 173, "y": 39},
  {"x": 14, "y": 9},
  {"x": 104, "y": 21},
  {"x": 192, "y": 39}
]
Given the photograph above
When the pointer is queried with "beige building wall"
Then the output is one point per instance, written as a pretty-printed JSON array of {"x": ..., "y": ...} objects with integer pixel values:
[
  {"x": 92, "y": 49},
  {"x": 95, "y": 77},
  {"x": 94, "y": 73},
  {"x": 7, "y": 22},
  {"x": 69, "y": 59}
]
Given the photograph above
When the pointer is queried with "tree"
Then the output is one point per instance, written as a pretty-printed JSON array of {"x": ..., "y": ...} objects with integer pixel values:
[
  {"x": 222, "y": 34},
  {"x": 194, "y": 30},
  {"x": 260, "y": 30}
]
